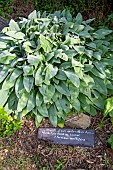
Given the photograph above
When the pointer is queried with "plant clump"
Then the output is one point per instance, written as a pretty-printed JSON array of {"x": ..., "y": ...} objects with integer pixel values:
[
  {"x": 52, "y": 63},
  {"x": 8, "y": 124}
]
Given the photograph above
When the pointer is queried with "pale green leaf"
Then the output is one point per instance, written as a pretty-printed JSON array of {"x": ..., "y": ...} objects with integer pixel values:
[
  {"x": 28, "y": 83},
  {"x": 19, "y": 87},
  {"x": 7, "y": 84},
  {"x": 38, "y": 77},
  {"x": 50, "y": 72},
  {"x": 31, "y": 101},
  {"x": 108, "y": 106},
  {"x": 34, "y": 59},
  {"x": 16, "y": 73},
  {"x": 6, "y": 57},
  {"x": 13, "y": 26},
  {"x": 16, "y": 35},
  {"x": 3, "y": 45},
  {"x": 3, "y": 74},
  {"x": 32, "y": 15},
  {"x": 22, "y": 101},
  {"x": 45, "y": 44},
  {"x": 4, "y": 94}
]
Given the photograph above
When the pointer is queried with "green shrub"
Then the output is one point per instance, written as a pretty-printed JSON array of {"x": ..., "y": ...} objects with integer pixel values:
[
  {"x": 51, "y": 63},
  {"x": 8, "y": 124}
]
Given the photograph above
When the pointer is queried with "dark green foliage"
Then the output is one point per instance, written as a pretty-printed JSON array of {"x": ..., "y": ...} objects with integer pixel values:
[
  {"x": 51, "y": 63},
  {"x": 5, "y": 7}
]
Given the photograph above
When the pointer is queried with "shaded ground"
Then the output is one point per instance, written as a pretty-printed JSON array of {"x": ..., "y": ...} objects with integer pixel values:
[{"x": 25, "y": 152}]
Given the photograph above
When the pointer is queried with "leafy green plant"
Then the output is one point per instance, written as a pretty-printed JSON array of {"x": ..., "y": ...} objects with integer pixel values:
[
  {"x": 110, "y": 141},
  {"x": 8, "y": 124},
  {"x": 108, "y": 110},
  {"x": 59, "y": 164},
  {"x": 51, "y": 63}
]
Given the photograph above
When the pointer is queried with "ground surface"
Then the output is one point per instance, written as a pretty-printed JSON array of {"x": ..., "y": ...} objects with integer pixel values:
[{"x": 22, "y": 151}]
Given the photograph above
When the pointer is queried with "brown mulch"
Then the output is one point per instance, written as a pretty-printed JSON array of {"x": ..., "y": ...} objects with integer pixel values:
[
  {"x": 24, "y": 144},
  {"x": 20, "y": 8}
]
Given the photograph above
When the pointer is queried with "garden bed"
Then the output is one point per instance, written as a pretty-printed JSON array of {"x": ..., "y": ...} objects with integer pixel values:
[{"x": 23, "y": 151}]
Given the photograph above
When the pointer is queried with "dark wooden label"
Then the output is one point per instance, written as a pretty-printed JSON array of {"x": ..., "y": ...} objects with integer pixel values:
[{"x": 77, "y": 137}]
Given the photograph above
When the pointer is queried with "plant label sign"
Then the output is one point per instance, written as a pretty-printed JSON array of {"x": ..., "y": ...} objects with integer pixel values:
[{"x": 66, "y": 136}]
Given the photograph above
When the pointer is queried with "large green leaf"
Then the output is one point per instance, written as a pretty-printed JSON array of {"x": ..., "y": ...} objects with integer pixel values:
[
  {"x": 31, "y": 102},
  {"x": 23, "y": 101},
  {"x": 43, "y": 110},
  {"x": 49, "y": 92},
  {"x": 12, "y": 102},
  {"x": 16, "y": 73},
  {"x": 93, "y": 111},
  {"x": 61, "y": 75},
  {"x": 98, "y": 102},
  {"x": 38, "y": 119},
  {"x": 73, "y": 78},
  {"x": 6, "y": 57},
  {"x": 34, "y": 59},
  {"x": 100, "y": 85},
  {"x": 63, "y": 89},
  {"x": 78, "y": 18},
  {"x": 50, "y": 72},
  {"x": 4, "y": 94},
  {"x": 39, "y": 99},
  {"x": 84, "y": 34},
  {"x": 58, "y": 106},
  {"x": 13, "y": 26},
  {"x": 3, "y": 74},
  {"x": 74, "y": 91},
  {"x": 28, "y": 70},
  {"x": 32, "y": 15},
  {"x": 108, "y": 106},
  {"x": 64, "y": 102},
  {"x": 7, "y": 84},
  {"x": 3, "y": 45},
  {"x": 15, "y": 34},
  {"x": 53, "y": 115},
  {"x": 101, "y": 33},
  {"x": 76, "y": 104},
  {"x": 38, "y": 77},
  {"x": 28, "y": 83},
  {"x": 85, "y": 103},
  {"x": 97, "y": 73},
  {"x": 45, "y": 44},
  {"x": 19, "y": 87}
]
